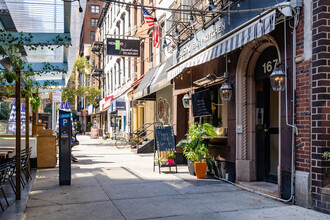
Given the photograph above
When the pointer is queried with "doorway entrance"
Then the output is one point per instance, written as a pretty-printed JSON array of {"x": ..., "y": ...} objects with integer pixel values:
[
  {"x": 267, "y": 132},
  {"x": 267, "y": 118}
]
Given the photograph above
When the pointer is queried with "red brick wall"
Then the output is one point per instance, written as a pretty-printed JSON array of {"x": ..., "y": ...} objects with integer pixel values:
[
  {"x": 320, "y": 102},
  {"x": 87, "y": 19},
  {"x": 303, "y": 102}
]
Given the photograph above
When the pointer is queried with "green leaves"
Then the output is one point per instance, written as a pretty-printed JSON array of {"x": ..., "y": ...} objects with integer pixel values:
[
  {"x": 81, "y": 64},
  {"x": 194, "y": 146},
  {"x": 35, "y": 102},
  {"x": 89, "y": 93}
]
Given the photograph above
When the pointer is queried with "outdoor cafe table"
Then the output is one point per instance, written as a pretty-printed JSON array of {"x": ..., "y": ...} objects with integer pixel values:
[
  {"x": 3, "y": 153},
  {"x": 7, "y": 147}
]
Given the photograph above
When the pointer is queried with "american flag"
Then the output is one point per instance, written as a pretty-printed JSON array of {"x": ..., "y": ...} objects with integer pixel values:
[
  {"x": 147, "y": 17},
  {"x": 156, "y": 34}
]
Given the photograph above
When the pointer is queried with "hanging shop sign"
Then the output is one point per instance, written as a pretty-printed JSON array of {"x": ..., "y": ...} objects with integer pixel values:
[
  {"x": 57, "y": 96},
  {"x": 123, "y": 47},
  {"x": 90, "y": 109},
  {"x": 84, "y": 112}
]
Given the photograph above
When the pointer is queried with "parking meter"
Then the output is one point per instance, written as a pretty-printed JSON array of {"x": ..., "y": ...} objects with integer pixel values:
[{"x": 65, "y": 133}]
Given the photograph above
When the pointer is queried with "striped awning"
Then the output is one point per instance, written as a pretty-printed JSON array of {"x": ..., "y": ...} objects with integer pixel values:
[{"x": 235, "y": 39}]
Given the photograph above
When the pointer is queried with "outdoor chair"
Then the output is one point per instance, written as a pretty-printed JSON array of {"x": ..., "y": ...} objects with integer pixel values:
[
  {"x": 3, "y": 172},
  {"x": 24, "y": 164},
  {"x": 10, "y": 173}
]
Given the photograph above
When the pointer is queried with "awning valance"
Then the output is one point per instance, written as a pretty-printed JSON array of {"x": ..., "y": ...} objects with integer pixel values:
[
  {"x": 154, "y": 80},
  {"x": 235, "y": 39}
]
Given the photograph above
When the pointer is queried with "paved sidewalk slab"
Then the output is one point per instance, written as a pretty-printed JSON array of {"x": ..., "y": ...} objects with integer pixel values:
[{"x": 111, "y": 183}]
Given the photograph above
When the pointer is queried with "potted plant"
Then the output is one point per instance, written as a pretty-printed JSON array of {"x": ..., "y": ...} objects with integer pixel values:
[
  {"x": 170, "y": 158},
  {"x": 195, "y": 148},
  {"x": 161, "y": 161}
]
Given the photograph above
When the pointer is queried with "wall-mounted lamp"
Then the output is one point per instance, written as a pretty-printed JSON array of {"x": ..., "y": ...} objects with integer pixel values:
[
  {"x": 277, "y": 78},
  {"x": 185, "y": 101},
  {"x": 211, "y": 5},
  {"x": 226, "y": 90}
]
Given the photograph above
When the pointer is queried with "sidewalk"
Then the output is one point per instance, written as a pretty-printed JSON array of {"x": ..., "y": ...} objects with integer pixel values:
[{"x": 108, "y": 183}]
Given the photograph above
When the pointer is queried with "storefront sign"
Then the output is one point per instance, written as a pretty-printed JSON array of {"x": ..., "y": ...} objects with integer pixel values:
[
  {"x": 57, "y": 96},
  {"x": 201, "y": 39},
  {"x": 84, "y": 113},
  {"x": 90, "y": 109},
  {"x": 121, "y": 47},
  {"x": 217, "y": 30}
]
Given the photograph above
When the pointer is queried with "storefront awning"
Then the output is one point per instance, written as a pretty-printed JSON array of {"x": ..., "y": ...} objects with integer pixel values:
[
  {"x": 154, "y": 80},
  {"x": 254, "y": 29},
  {"x": 105, "y": 103}
]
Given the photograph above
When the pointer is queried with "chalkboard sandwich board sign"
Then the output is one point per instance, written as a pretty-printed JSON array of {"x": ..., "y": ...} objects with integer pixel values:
[
  {"x": 165, "y": 142},
  {"x": 165, "y": 138}
]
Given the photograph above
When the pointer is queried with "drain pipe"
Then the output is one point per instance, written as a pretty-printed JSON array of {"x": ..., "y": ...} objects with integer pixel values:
[{"x": 294, "y": 99}]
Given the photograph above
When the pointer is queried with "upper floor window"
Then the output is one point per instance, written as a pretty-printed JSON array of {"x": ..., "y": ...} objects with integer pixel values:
[
  {"x": 95, "y": 9},
  {"x": 93, "y": 21},
  {"x": 142, "y": 17},
  {"x": 92, "y": 36}
]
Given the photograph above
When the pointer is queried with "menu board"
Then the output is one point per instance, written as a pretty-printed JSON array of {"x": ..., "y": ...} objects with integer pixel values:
[
  {"x": 202, "y": 103},
  {"x": 165, "y": 138},
  {"x": 94, "y": 132}
]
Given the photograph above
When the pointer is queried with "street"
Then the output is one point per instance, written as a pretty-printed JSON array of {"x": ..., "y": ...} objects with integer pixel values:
[{"x": 111, "y": 183}]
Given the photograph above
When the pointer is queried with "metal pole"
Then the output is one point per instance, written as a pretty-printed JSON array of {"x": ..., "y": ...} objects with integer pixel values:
[
  {"x": 27, "y": 133},
  {"x": 18, "y": 135}
]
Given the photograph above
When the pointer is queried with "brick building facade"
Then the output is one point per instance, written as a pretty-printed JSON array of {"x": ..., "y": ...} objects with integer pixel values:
[{"x": 320, "y": 105}]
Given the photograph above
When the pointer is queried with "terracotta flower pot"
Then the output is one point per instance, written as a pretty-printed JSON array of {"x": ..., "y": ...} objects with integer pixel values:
[{"x": 200, "y": 169}]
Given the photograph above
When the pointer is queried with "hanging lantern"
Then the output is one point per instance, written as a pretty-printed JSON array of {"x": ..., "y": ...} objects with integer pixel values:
[
  {"x": 225, "y": 92},
  {"x": 185, "y": 101},
  {"x": 277, "y": 78}
]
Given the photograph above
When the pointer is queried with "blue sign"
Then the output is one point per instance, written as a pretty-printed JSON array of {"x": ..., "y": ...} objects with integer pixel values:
[
  {"x": 64, "y": 122},
  {"x": 67, "y": 115}
]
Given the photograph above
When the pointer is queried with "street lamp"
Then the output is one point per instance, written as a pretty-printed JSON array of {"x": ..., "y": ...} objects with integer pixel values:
[
  {"x": 226, "y": 90},
  {"x": 277, "y": 78},
  {"x": 185, "y": 101}
]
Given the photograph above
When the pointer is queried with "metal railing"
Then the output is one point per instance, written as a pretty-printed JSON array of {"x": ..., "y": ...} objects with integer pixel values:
[{"x": 142, "y": 133}]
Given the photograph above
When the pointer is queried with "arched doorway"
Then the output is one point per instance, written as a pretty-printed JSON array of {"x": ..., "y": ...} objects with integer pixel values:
[{"x": 257, "y": 113}]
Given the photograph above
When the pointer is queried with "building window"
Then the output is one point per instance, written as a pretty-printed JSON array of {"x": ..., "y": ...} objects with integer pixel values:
[
  {"x": 151, "y": 54},
  {"x": 92, "y": 36},
  {"x": 93, "y": 21},
  {"x": 162, "y": 38},
  {"x": 142, "y": 59},
  {"x": 135, "y": 16},
  {"x": 129, "y": 72},
  {"x": 142, "y": 17},
  {"x": 95, "y": 9},
  {"x": 124, "y": 71}
]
